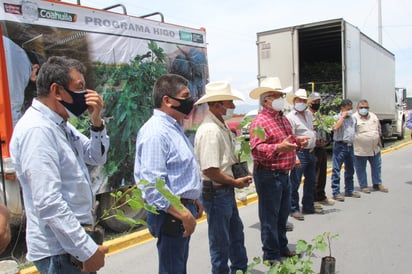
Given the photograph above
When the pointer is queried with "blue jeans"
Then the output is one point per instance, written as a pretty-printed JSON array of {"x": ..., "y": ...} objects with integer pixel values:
[
  {"x": 308, "y": 169},
  {"x": 172, "y": 251},
  {"x": 58, "y": 264},
  {"x": 360, "y": 167},
  {"x": 273, "y": 190},
  {"x": 342, "y": 154},
  {"x": 226, "y": 238}
]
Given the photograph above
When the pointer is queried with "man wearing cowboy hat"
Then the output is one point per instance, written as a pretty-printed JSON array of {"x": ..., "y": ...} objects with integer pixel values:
[
  {"x": 274, "y": 156},
  {"x": 215, "y": 151},
  {"x": 302, "y": 125}
]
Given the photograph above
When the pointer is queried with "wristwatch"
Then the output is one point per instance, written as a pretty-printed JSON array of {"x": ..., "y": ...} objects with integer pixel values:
[{"x": 97, "y": 129}]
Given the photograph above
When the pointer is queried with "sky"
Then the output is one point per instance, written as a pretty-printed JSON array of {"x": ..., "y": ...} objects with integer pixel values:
[{"x": 232, "y": 27}]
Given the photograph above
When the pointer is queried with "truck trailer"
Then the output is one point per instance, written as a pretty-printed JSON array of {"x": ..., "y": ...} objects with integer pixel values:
[
  {"x": 336, "y": 59},
  {"x": 123, "y": 54}
]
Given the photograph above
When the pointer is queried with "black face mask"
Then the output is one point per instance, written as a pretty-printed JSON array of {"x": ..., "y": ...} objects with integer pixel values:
[
  {"x": 186, "y": 105},
  {"x": 315, "y": 106},
  {"x": 79, "y": 102}
]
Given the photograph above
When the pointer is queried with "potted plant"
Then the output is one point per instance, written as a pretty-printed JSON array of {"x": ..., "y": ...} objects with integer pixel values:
[
  {"x": 302, "y": 262},
  {"x": 328, "y": 262},
  {"x": 323, "y": 124},
  {"x": 132, "y": 196},
  {"x": 241, "y": 169}
]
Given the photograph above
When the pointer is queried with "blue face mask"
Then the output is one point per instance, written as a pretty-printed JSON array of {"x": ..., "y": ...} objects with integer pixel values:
[{"x": 363, "y": 111}]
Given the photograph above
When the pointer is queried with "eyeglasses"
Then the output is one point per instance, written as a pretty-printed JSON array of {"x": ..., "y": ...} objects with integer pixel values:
[
  {"x": 364, "y": 107},
  {"x": 275, "y": 96}
]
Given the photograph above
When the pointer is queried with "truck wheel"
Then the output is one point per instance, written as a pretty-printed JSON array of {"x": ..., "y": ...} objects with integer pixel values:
[
  {"x": 105, "y": 202},
  {"x": 401, "y": 136}
]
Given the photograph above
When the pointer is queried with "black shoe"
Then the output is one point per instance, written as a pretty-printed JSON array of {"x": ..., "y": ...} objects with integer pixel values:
[
  {"x": 289, "y": 226},
  {"x": 314, "y": 211},
  {"x": 288, "y": 254}
]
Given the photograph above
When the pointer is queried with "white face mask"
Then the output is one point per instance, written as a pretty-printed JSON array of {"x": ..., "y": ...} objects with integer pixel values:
[
  {"x": 278, "y": 104},
  {"x": 300, "y": 106},
  {"x": 229, "y": 114}
]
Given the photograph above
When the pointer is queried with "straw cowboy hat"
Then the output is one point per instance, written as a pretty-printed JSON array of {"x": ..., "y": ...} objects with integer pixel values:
[
  {"x": 219, "y": 91},
  {"x": 300, "y": 93},
  {"x": 266, "y": 85}
]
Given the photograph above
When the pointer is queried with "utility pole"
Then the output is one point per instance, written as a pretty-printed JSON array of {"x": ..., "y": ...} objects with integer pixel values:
[{"x": 380, "y": 21}]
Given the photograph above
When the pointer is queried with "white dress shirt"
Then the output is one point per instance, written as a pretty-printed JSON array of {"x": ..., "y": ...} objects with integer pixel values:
[{"x": 50, "y": 157}]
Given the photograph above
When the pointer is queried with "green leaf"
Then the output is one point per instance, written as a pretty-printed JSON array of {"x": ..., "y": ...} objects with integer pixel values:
[
  {"x": 173, "y": 199},
  {"x": 259, "y": 132}
]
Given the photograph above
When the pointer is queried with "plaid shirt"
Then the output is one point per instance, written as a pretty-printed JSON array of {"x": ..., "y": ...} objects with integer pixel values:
[{"x": 277, "y": 127}]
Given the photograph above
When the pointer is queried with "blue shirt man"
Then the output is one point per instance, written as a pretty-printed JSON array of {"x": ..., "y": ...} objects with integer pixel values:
[
  {"x": 164, "y": 152},
  {"x": 343, "y": 135}
]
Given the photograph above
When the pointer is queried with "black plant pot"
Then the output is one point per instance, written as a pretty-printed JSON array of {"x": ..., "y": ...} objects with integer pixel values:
[
  {"x": 328, "y": 265},
  {"x": 240, "y": 170},
  {"x": 97, "y": 235}
]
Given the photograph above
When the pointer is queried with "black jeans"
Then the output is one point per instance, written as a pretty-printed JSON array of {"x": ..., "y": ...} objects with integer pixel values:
[{"x": 321, "y": 166}]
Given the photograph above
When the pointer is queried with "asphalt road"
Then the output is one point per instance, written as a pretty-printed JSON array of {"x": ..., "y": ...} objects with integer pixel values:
[{"x": 374, "y": 231}]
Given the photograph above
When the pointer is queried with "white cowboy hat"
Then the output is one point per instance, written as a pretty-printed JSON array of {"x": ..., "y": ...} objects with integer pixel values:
[
  {"x": 266, "y": 85},
  {"x": 300, "y": 93},
  {"x": 219, "y": 91}
]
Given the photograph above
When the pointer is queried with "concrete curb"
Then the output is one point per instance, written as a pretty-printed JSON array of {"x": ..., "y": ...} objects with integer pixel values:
[{"x": 142, "y": 236}]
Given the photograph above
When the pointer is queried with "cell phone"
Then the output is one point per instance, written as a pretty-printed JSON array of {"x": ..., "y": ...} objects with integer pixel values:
[
  {"x": 75, "y": 262},
  {"x": 172, "y": 226}
]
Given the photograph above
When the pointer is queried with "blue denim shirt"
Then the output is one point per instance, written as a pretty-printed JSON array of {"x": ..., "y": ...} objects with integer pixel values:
[
  {"x": 50, "y": 157},
  {"x": 346, "y": 133},
  {"x": 163, "y": 151}
]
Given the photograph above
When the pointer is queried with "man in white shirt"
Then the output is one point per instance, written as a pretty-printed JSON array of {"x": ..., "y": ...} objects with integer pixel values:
[
  {"x": 302, "y": 125},
  {"x": 215, "y": 151},
  {"x": 367, "y": 147},
  {"x": 51, "y": 157}
]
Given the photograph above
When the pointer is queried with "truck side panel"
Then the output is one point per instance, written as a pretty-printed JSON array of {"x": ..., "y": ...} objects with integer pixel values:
[
  {"x": 277, "y": 56},
  {"x": 351, "y": 68},
  {"x": 378, "y": 78}
]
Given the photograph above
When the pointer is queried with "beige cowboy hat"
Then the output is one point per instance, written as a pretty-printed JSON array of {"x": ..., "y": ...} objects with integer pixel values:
[
  {"x": 219, "y": 91},
  {"x": 266, "y": 85},
  {"x": 300, "y": 93}
]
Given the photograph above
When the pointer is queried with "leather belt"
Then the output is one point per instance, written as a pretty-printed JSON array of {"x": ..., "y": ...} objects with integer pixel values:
[
  {"x": 208, "y": 184},
  {"x": 275, "y": 170},
  {"x": 185, "y": 201},
  {"x": 309, "y": 150},
  {"x": 344, "y": 143}
]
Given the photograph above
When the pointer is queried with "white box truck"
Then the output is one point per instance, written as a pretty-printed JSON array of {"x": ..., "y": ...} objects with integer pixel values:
[{"x": 338, "y": 60}]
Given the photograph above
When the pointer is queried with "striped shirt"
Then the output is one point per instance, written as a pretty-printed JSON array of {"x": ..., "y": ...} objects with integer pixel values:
[
  {"x": 163, "y": 151},
  {"x": 277, "y": 128},
  {"x": 303, "y": 126},
  {"x": 346, "y": 132}
]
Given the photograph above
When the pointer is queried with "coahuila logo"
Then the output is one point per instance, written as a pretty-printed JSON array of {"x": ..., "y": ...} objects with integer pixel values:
[
  {"x": 31, "y": 11},
  {"x": 57, "y": 15}
]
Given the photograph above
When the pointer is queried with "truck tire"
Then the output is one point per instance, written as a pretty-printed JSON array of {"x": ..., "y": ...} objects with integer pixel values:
[
  {"x": 105, "y": 202},
  {"x": 401, "y": 136}
]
